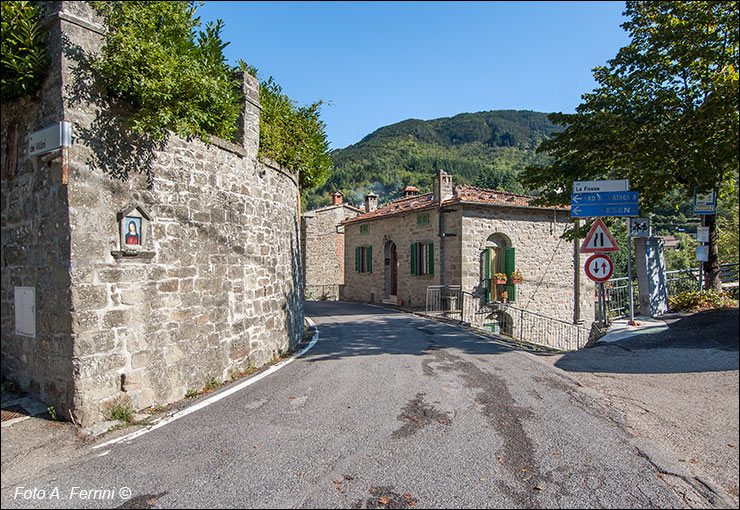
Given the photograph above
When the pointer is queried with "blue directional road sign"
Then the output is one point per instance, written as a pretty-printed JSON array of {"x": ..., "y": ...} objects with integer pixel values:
[{"x": 613, "y": 203}]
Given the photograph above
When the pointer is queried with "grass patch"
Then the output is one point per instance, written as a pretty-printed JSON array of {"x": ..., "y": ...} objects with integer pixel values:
[
  {"x": 192, "y": 392},
  {"x": 119, "y": 409}
]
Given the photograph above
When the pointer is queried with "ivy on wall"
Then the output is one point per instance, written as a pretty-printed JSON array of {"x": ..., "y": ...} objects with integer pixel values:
[
  {"x": 24, "y": 60},
  {"x": 173, "y": 75}
]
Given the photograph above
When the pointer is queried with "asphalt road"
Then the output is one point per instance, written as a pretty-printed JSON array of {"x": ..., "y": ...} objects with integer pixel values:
[{"x": 387, "y": 410}]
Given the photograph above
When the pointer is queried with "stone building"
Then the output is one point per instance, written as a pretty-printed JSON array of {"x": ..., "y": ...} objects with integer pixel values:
[
  {"x": 113, "y": 285},
  {"x": 463, "y": 236},
  {"x": 322, "y": 248}
]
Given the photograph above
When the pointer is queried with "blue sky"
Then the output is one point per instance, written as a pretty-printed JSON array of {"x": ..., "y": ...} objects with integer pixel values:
[{"x": 377, "y": 63}]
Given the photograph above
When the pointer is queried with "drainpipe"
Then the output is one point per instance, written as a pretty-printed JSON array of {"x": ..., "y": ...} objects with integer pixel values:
[{"x": 441, "y": 247}]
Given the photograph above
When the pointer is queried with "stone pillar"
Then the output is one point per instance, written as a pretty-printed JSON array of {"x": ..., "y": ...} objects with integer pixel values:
[
  {"x": 248, "y": 124},
  {"x": 651, "y": 278}
]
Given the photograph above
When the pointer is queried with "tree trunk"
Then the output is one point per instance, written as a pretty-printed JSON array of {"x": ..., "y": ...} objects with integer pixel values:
[{"x": 711, "y": 266}]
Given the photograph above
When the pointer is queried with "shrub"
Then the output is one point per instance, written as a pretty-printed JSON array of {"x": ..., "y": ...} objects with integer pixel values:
[
  {"x": 173, "y": 78},
  {"x": 700, "y": 300},
  {"x": 24, "y": 60}
]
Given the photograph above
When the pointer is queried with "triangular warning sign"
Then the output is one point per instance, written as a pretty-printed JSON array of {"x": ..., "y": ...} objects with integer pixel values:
[{"x": 599, "y": 239}]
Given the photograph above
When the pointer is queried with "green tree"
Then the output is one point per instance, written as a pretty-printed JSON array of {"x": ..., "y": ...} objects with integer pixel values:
[
  {"x": 24, "y": 60},
  {"x": 174, "y": 76},
  {"x": 292, "y": 135},
  {"x": 665, "y": 113}
]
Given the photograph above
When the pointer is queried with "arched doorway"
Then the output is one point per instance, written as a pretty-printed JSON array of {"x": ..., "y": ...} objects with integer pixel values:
[
  {"x": 492, "y": 259},
  {"x": 391, "y": 269}
]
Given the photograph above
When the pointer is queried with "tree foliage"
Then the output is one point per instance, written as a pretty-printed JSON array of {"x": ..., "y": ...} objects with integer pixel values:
[
  {"x": 292, "y": 135},
  {"x": 486, "y": 149},
  {"x": 24, "y": 61},
  {"x": 664, "y": 114},
  {"x": 174, "y": 76}
]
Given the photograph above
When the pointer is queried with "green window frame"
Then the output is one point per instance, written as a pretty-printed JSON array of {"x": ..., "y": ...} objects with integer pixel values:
[
  {"x": 364, "y": 259},
  {"x": 422, "y": 219},
  {"x": 509, "y": 265},
  {"x": 364, "y": 229},
  {"x": 422, "y": 259}
]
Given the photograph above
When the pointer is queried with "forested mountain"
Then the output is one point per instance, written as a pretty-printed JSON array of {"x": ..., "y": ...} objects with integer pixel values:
[{"x": 486, "y": 149}]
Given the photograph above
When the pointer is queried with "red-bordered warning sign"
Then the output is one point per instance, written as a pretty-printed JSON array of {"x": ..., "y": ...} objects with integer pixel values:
[
  {"x": 599, "y": 267},
  {"x": 599, "y": 239}
]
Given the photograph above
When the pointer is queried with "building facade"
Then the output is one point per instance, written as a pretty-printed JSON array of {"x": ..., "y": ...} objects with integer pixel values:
[
  {"x": 465, "y": 236},
  {"x": 117, "y": 286},
  {"x": 322, "y": 248}
]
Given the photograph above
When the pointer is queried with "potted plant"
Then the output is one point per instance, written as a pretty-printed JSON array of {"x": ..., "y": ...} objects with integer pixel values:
[
  {"x": 499, "y": 278},
  {"x": 516, "y": 276}
]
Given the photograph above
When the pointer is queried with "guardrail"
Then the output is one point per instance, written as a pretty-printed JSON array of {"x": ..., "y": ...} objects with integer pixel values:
[{"x": 450, "y": 302}]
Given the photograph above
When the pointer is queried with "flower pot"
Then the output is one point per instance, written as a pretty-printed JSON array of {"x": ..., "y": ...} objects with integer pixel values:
[
  {"x": 516, "y": 280},
  {"x": 500, "y": 281}
]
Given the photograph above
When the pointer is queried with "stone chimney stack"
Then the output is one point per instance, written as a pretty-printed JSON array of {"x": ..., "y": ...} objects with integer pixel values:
[
  {"x": 371, "y": 202},
  {"x": 442, "y": 186},
  {"x": 410, "y": 191},
  {"x": 336, "y": 198}
]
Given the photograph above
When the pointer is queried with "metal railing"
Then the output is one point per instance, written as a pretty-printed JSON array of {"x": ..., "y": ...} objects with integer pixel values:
[
  {"x": 532, "y": 327},
  {"x": 522, "y": 325},
  {"x": 682, "y": 280},
  {"x": 618, "y": 298},
  {"x": 445, "y": 301}
]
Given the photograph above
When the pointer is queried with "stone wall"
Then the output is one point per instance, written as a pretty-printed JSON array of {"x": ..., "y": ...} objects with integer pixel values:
[
  {"x": 215, "y": 287},
  {"x": 322, "y": 248},
  {"x": 545, "y": 259},
  {"x": 35, "y": 241}
]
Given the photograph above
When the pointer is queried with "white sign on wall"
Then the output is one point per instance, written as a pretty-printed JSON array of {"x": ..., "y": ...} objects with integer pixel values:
[
  {"x": 50, "y": 138},
  {"x": 702, "y": 253},
  {"x": 25, "y": 311}
]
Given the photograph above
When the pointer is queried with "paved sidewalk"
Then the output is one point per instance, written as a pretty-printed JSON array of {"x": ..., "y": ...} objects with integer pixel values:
[{"x": 620, "y": 328}]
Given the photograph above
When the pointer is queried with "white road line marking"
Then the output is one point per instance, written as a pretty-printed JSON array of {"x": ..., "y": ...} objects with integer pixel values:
[{"x": 217, "y": 397}]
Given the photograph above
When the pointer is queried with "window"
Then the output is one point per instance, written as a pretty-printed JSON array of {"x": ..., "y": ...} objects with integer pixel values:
[
  {"x": 364, "y": 259},
  {"x": 422, "y": 259},
  {"x": 422, "y": 219},
  {"x": 363, "y": 229},
  {"x": 499, "y": 260}
]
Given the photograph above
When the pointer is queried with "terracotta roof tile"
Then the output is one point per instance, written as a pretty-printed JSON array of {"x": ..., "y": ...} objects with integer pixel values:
[{"x": 461, "y": 193}]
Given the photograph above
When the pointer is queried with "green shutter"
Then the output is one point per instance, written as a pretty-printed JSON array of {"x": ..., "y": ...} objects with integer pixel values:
[
  {"x": 369, "y": 259},
  {"x": 509, "y": 267},
  {"x": 431, "y": 259},
  {"x": 413, "y": 258},
  {"x": 357, "y": 259}
]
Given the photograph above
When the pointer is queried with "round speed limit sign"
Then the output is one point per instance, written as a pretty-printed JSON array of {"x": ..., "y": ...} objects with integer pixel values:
[{"x": 599, "y": 267}]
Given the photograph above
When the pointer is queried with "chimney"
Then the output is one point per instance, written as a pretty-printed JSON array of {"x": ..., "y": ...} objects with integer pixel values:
[
  {"x": 442, "y": 186},
  {"x": 410, "y": 191},
  {"x": 336, "y": 198},
  {"x": 371, "y": 202}
]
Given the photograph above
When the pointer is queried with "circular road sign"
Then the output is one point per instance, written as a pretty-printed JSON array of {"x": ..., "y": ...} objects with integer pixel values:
[{"x": 599, "y": 267}]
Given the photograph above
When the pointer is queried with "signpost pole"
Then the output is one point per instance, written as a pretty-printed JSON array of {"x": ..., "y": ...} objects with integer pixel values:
[
  {"x": 701, "y": 263},
  {"x": 602, "y": 302},
  {"x": 629, "y": 271}
]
